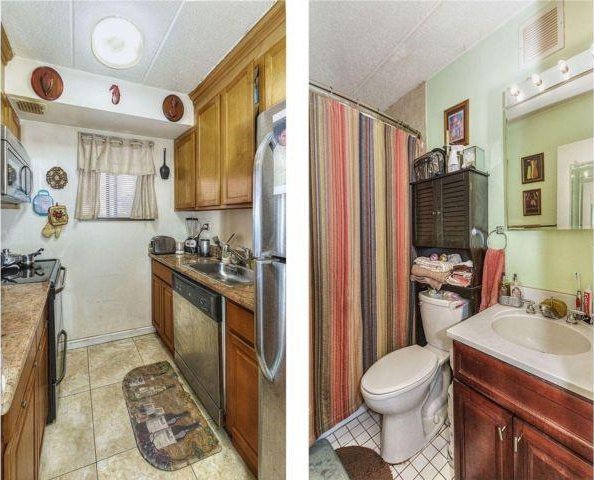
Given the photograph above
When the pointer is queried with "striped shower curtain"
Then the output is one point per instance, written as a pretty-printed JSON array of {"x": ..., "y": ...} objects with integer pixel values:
[{"x": 360, "y": 251}]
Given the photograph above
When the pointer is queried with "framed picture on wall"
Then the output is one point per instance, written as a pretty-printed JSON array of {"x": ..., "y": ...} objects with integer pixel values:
[
  {"x": 533, "y": 168},
  {"x": 532, "y": 202},
  {"x": 455, "y": 123}
]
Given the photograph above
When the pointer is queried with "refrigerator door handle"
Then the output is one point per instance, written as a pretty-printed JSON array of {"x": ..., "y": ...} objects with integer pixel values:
[
  {"x": 257, "y": 196},
  {"x": 270, "y": 371}
]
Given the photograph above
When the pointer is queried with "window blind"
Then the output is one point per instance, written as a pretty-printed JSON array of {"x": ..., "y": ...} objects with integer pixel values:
[{"x": 116, "y": 194}]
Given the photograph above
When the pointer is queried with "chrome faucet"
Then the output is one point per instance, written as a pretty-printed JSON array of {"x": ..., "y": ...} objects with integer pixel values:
[
  {"x": 241, "y": 255},
  {"x": 576, "y": 316},
  {"x": 530, "y": 306}
]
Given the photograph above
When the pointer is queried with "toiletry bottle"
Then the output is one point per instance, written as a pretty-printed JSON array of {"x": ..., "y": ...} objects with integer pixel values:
[
  {"x": 578, "y": 300},
  {"x": 504, "y": 287},
  {"x": 516, "y": 291},
  {"x": 588, "y": 301}
]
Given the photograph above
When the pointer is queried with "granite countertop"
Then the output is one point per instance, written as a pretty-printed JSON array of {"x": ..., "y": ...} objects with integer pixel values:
[
  {"x": 22, "y": 307},
  {"x": 572, "y": 372},
  {"x": 242, "y": 294}
]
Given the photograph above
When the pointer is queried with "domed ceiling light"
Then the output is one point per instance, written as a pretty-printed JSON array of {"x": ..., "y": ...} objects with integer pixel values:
[{"x": 117, "y": 43}]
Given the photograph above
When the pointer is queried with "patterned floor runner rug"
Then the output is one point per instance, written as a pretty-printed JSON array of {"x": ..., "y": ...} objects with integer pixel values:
[{"x": 170, "y": 430}]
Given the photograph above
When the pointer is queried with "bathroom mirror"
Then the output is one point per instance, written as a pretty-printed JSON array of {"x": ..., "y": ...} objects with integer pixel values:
[{"x": 549, "y": 163}]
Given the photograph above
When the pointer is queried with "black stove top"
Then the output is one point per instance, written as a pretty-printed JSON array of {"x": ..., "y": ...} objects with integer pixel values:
[{"x": 41, "y": 271}]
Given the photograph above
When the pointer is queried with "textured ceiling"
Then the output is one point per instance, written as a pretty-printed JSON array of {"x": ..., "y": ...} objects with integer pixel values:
[
  {"x": 183, "y": 40},
  {"x": 377, "y": 51}
]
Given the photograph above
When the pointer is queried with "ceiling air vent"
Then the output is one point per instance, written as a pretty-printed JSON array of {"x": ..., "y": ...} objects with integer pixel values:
[
  {"x": 30, "y": 107},
  {"x": 542, "y": 34}
]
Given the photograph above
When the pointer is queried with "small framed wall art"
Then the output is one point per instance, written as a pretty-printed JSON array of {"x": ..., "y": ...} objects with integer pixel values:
[
  {"x": 532, "y": 202},
  {"x": 533, "y": 168},
  {"x": 455, "y": 123}
]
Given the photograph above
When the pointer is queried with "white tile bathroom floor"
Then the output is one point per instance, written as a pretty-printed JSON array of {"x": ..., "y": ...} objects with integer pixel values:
[{"x": 431, "y": 463}]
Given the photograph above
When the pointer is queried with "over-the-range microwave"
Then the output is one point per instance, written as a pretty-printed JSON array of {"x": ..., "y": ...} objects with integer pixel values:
[{"x": 17, "y": 177}]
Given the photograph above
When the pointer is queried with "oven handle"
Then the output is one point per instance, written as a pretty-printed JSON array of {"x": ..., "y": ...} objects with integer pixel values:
[
  {"x": 63, "y": 284},
  {"x": 65, "y": 335},
  {"x": 30, "y": 180}
]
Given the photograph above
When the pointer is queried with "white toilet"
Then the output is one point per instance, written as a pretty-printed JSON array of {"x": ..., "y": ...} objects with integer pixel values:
[{"x": 409, "y": 387}]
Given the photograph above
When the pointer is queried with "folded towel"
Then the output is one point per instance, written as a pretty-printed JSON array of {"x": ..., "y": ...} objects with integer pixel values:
[
  {"x": 434, "y": 265},
  {"x": 419, "y": 271},
  {"x": 492, "y": 270},
  {"x": 462, "y": 268},
  {"x": 427, "y": 281}
]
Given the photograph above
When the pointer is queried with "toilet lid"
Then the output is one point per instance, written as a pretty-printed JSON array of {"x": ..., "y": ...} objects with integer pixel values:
[{"x": 399, "y": 370}]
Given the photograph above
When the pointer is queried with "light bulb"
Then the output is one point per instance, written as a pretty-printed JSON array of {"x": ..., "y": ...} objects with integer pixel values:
[
  {"x": 563, "y": 67},
  {"x": 536, "y": 79},
  {"x": 514, "y": 90}
]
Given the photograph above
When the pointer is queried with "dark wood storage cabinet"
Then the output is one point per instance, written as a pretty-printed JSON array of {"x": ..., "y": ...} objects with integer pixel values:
[
  {"x": 162, "y": 303},
  {"x": 447, "y": 208},
  {"x": 511, "y": 425}
]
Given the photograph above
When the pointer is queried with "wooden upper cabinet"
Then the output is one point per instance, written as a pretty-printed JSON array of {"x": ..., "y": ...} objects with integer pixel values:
[
  {"x": 10, "y": 118},
  {"x": 208, "y": 154},
  {"x": 238, "y": 138},
  {"x": 274, "y": 75},
  {"x": 185, "y": 170}
]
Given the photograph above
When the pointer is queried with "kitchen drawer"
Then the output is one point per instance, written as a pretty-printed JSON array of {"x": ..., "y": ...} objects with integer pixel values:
[
  {"x": 559, "y": 413},
  {"x": 241, "y": 322},
  {"x": 163, "y": 272}
]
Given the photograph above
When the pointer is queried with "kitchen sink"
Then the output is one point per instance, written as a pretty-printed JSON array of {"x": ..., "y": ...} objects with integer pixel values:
[
  {"x": 541, "y": 334},
  {"x": 230, "y": 274}
]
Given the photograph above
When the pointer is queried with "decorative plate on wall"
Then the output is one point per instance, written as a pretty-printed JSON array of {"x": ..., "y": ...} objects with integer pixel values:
[
  {"x": 173, "y": 108},
  {"x": 47, "y": 83},
  {"x": 56, "y": 177}
]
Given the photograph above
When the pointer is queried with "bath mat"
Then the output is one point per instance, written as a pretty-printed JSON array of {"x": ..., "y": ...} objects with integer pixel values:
[
  {"x": 170, "y": 430},
  {"x": 363, "y": 464}
]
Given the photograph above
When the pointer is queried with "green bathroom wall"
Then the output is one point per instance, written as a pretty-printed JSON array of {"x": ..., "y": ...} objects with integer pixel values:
[{"x": 546, "y": 259}]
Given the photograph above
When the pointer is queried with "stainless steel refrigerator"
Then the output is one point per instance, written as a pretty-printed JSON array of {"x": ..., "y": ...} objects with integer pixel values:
[{"x": 270, "y": 254}]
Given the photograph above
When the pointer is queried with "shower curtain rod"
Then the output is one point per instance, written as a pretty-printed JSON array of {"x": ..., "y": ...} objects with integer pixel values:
[{"x": 373, "y": 111}]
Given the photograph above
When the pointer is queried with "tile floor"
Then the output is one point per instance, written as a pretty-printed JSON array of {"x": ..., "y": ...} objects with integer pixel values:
[
  {"x": 364, "y": 430},
  {"x": 92, "y": 437}
]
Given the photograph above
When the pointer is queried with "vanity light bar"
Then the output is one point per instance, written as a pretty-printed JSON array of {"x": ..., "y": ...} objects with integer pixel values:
[{"x": 540, "y": 83}]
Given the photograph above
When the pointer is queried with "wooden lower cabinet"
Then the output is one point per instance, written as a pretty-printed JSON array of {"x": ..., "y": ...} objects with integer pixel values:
[
  {"x": 510, "y": 425},
  {"x": 538, "y": 457},
  {"x": 23, "y": 426},
  {"x": 483, "y": 437},
  {"x": 242, "y": 384},
  {"x": 162, "y": 304}
]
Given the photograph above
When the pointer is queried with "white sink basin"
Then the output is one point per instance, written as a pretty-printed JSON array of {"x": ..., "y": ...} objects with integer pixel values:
[{"x": 541, "y": 334}]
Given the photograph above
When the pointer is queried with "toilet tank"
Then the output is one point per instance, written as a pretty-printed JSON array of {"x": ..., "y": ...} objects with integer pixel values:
[{"x": 439, "y": 311}]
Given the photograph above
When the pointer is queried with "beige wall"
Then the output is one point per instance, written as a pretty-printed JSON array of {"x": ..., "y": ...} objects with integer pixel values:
[{"x": 410, "y": 109}]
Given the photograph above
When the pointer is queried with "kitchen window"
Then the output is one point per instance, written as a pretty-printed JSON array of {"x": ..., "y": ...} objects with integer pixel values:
[{"x": 116, "y": 179}]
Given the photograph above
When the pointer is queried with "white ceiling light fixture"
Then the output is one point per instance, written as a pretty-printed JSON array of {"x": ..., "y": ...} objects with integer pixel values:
[{"x": 117, "y": 43}]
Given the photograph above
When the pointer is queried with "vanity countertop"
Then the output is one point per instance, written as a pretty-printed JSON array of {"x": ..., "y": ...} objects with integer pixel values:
[
  {"x": 241, "y": 294},
  {"x": 22, "y": 308},
  {"x": 572, "y": 372}
]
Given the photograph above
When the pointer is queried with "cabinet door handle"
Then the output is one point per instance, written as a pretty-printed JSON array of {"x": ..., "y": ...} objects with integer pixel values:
[
  {"x": 500, "y": 431},
  {"x": 35, "y": 363},
  {"x": 516, "y": 443},
  {"x": 23, "y": 403}
]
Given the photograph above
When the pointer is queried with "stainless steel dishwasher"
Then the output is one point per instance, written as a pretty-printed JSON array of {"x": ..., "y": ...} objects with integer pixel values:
[{"x": 198, "y": 338}]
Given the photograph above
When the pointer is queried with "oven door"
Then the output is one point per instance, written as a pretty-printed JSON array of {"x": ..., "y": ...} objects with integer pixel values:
[
  {"x": 17, "y": 178},
  {"x": 58, "y": 344}
]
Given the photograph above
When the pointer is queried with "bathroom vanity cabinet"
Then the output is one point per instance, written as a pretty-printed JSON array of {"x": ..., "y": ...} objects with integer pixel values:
[{"x": 509, "y": 424}]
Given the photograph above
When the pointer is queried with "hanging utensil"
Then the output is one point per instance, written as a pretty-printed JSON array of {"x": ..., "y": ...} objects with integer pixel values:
[{"x": 164, "y": 170}]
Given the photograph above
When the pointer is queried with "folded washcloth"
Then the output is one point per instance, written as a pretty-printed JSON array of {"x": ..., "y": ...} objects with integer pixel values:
[
  {"x": 459, "y": 281},
  {"x": 454, "y": 258},
  {"x": 462, "y": 268}
]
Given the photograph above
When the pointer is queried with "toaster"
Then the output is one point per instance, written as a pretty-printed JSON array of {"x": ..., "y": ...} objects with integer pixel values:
[{"x": 161, "y": 245}]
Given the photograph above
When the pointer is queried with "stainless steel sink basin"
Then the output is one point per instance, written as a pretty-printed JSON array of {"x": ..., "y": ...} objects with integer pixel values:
[
  {"x": 230, "y": 274},
  {"x": 541, "y": 334}
]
